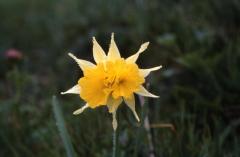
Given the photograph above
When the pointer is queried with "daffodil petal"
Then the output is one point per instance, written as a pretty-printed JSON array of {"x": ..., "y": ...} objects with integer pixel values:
[
  {"x": 113, "y": 52},
  {"x": 131, "y": 104},
  {"x": 143, "y": 92},
  {"x": 74, "y": 90},
  {"x": 133, "y": 58},
  {"x": 112, "y": 105},
  {"x": 114, "y": 121},
  {"x": 78, "y": 111},
  {"x": 98, "y": 53},
  {"x": 82, "y": 63},
  {"x": 146, "y": 72}
]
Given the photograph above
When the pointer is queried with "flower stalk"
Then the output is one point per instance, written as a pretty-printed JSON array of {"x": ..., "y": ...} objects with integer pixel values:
[{"x": 114, "y": 144}]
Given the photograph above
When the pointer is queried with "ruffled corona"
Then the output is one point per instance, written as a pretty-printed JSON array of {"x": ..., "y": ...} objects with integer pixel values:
[{"x": 111, "y": 80}]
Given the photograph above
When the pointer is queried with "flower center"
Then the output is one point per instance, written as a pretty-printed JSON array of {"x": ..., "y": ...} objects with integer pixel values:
[
  {"x": 112, "y": 78},
  {"x": 113, "y": 81},
  {"x": 109, "y": 81}
]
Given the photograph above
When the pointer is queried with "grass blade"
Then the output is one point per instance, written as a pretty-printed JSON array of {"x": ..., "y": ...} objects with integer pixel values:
[{"x": 62, "y": 129}]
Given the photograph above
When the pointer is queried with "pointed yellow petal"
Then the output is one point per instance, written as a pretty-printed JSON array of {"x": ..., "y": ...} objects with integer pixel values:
[
  {"x": 74, "y": 90},
  {"x": 133, "y": 58},
  {"x": 82, "y": 63},
  {"x": 114, "y": 121},
  {"x": 98, "y": 53},
  {"x": 113, "y": 52},
  {"x": 113, "y": 104},
  {"x": 143, "y": 92},
  {"x": 80, "y": 110},
  {"x": 131, "y": 104},
  {"x": 146, "y": 72}
]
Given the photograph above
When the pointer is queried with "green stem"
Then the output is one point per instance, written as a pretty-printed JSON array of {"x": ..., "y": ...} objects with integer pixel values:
[{"x": 114, "y": 144}]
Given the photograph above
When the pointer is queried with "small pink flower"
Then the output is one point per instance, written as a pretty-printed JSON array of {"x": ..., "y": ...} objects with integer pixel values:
[{"x": 13, "y": 54}]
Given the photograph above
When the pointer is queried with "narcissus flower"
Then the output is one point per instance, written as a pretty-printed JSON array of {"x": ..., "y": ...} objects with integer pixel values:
[{"x": 111, "y": 80}]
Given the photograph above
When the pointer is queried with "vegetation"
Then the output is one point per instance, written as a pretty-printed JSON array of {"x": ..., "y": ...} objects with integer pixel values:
[{"x": 197, "y": 42}]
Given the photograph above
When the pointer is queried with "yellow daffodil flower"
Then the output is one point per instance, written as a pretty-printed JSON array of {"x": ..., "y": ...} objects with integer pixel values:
[{"x": 111, "y": 80}]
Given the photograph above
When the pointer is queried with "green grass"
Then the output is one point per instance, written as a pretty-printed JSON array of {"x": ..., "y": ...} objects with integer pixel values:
[{"x": 62, "y": 127}]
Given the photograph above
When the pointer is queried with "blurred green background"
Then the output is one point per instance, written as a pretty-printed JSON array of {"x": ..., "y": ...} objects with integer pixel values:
[{"x": 197, "y": 42}]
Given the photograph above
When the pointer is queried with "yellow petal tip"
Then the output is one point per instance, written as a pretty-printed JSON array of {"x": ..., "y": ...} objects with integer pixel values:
[
  {"x": 74, "y": 113},
  {"x": 71, "y": 55},
  {"x": 156, "y": 68},
  {"x": 147, "y": 43},
  {"x": 138, "y": 119},
  {"x": 136, "y": 116},
  {"x": 153, "y": 95},
  {"x": 78, "y": 111},
  {"x": 63, "y": 93}
]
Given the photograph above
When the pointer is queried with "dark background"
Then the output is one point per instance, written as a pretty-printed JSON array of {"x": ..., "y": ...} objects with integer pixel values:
[{"x": 197, "y": 42}]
